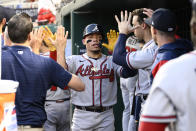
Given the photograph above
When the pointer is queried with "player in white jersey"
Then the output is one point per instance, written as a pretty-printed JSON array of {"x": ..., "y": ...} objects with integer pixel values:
[
  {"x": 172, "y": 102},
  {"x": 127, "y": 86},
  {"x": 94, "y": 106},
  {"x": 141, "y": 60}
]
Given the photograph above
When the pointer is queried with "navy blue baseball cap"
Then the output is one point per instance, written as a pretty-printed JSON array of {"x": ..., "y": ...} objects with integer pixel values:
[
  {"x": 93, "y": 28},
  {"x": 163, "y": 20}
]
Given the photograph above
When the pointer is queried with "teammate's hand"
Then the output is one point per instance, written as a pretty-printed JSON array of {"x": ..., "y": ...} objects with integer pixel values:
[
  {"x": 148, "y": 12},
  {"x": 61, "y": 38},
  {"x": 124, "y": 25},
  {"x": 112, "y": 37},
  {"x": 49, "y": 37},
  {"x": 36, "y": 39}
]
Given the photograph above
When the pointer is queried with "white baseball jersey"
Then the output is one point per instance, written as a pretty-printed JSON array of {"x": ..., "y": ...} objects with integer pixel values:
[
  {"x": 143, "y": 60},
  {"x": 56, "y": 93},
  {"x": 172, "y": 97},
  {"x": 130, "y": 83},
  {"x": 99, "y": 78}
]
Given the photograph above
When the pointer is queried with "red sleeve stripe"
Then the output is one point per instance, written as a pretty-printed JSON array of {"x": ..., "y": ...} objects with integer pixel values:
[
  {"x": 53, "y": 55},
  {"x": 129, "y": 64},
  {"x": 159, "y": 117},
  {"x": 148, "y": 126},
  {"x": 157, "y": 67}
]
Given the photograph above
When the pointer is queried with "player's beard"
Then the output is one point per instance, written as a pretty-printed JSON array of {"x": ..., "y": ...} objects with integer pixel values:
[{"x": 96, "y": 51}]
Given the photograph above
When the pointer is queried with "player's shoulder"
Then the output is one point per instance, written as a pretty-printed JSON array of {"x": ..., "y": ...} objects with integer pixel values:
[
  {"x": 176, "y": 71},
  {"x": 74, "y": 57},
  {"x": 150, "y": 45},
  {"x": 181, "y": 62}
]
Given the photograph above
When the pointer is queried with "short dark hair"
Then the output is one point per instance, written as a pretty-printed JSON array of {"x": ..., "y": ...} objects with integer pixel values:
[
  {"x": 140, "y": 14},
  {"x": 19, "y": 28},
  {"x": 25, "y": 15}
]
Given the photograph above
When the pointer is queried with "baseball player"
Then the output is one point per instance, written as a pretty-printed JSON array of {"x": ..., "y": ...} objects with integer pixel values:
[
  {"x": 174, "y": 86},
  {"x": 94, "y": 106},
  {"x": 163, "y": 26},
  {"x": 127, "y": 88},
  {"x": 127, "y": 85},
  {"x": 141, "y": 59}
]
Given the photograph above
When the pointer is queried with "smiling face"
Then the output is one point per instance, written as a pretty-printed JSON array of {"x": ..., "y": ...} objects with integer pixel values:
[{"x": 92, "y": 42}]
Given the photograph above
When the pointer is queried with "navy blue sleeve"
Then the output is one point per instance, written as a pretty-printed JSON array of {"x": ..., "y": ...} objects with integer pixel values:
[
  {"x": 119, "y": 54},
  {"x": 127, "y": 72},
  {"x": 60, "y": 77}
]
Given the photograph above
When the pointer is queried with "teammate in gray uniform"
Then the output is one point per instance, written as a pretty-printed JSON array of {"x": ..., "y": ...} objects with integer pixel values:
[
  {"x": 94, "y": 106},
  {"x": 141, "y": 60},
  {"x": 57, "y": 105},
  {"x": 127, "y": 86}
]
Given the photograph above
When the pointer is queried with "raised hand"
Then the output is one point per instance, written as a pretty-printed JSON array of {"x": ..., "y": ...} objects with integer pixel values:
[
  {"x": 61, "y": 38},
  {"x": 124, "y": 25},
  {"x": 112, "y": 37},
  {"x": 36, "y": 39}
]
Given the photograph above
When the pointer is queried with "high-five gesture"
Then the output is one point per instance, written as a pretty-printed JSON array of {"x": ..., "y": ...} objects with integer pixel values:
[
  {"x": 60, "y": 43},
  {"x": 61, "y": 38},
  {"x": 124, "y": 25},
  {"x": 36, "y": 39}
]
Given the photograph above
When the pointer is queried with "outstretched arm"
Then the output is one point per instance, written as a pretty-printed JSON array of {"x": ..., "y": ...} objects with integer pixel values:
[
  {"x": 119, "y": 54},
  {"x": 60, "y": 43},
  {"x": 76, "y": 83}
]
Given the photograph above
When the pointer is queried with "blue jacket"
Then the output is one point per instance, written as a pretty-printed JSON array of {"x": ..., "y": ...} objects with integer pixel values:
[{"x": 170, "y": 51}]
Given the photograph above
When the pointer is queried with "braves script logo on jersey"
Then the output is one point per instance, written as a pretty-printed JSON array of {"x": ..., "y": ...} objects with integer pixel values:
[{"x": 96, "y": 74}]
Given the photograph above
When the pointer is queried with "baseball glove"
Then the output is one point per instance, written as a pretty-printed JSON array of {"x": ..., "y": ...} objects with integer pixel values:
[
  {"x": 112, "y": 37},
  {"x": 48, "y": 38}
]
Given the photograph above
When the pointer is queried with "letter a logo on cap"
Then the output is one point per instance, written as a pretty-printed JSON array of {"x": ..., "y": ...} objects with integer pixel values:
[
  {"x": 170, "y": 29},
  {"x": 152, "y": 23},
  {"x": 95, "y": 29}
]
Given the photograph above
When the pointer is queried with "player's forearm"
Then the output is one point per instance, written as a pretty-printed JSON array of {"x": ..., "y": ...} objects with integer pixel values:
[
  {"x": 76, "y": 83},
  {"x": 119, "y": 54},
  {"x": 61, "y": 58}
]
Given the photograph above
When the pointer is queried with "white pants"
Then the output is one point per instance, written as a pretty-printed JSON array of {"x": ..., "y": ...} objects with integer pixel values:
[
  {"x": 93, "y": 121},
  {"x": 127, "y": 89}
]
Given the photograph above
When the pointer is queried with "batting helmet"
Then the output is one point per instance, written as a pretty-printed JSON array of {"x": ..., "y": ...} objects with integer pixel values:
[{"x": 91, "y": 29}]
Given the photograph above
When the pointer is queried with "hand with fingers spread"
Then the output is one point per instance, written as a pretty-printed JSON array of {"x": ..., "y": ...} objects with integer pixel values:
[
  {"x": 60, "y": 44},
  {"x": 112, "y": 37},
  {"x": 124, "y": 25},
  {"x": 49, "y": 38},
  {"x": 36, "y": 39},
  {"x": 61, "y": 38}
]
